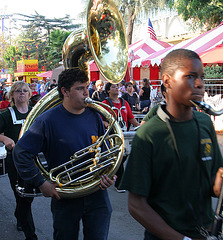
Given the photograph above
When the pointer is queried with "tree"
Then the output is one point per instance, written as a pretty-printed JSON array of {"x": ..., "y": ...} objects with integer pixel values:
[
  {"x": 36, "y": 34},
  {"x": 3, "y": 47},
  {"x": 130, "y": 9},
  {"x": 53, "y": 51},
  {"x": 205, "y": 12},
  {"x": 11, "y": 56}
]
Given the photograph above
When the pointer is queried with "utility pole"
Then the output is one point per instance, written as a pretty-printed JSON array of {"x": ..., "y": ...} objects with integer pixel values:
[{"x": 2, "y": 18}]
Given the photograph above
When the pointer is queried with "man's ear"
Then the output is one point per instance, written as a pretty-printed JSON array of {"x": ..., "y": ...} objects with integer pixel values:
[
  {"x": 166, "y": 80},
  {"x": 64, "y": 91}
]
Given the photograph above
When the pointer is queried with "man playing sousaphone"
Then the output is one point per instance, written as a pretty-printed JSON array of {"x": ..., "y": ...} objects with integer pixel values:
[
  {"x": 59, "y": 133},
  {"x": 175, "y": 165}
]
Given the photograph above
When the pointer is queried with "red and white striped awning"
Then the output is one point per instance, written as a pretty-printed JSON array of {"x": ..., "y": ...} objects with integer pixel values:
[
  {"x": 199, "y": 44},
  {"x": 144, "y": 48}
]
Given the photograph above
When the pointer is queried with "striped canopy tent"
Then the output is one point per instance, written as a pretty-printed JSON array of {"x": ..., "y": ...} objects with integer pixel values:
[
  {"x": 144, "y": 48},
  {"x": 45, "y": 74},
  {"x": 141, "y": 50},
  {"x": 199, "y": 44},
  {"x": 213, "y": 56}
]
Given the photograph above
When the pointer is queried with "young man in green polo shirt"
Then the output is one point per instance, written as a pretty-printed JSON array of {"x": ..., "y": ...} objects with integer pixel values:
[{"x": 175, "y": 165}]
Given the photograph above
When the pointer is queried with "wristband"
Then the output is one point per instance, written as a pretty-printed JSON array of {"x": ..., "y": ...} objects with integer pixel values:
[{"x": 186, "y": 238}]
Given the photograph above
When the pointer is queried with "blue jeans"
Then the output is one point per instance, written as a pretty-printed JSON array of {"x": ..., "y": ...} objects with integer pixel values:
[
  {"x": 94, "y": 210},
  {"x": 145, "y": 103}
]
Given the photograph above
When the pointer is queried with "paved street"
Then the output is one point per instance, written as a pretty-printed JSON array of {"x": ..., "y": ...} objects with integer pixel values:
[{"x": 123, "y": 226}]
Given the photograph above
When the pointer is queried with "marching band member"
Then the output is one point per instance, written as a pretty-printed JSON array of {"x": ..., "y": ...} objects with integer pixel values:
[
  {"x": 11, "y": 122},
  {"x": 175, "y": 165},
  {"x": 59, "y": 133}
]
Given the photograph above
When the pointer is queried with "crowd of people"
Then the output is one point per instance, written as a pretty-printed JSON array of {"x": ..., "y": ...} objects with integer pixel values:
[
  {"x": 139, "y": 99},
  {"x": 174, "y": 169}
]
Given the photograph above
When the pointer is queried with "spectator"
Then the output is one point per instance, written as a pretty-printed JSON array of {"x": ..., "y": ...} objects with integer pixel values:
[
  {"x": 52, "y": 86},
  {"x": 92, "y": 89},
  {"x": 100, "y": 94},
  {"x": 39, "y": 86},
  {"x": 33, "y": 89},
  {"x": 42, "y": 88},
  {"x": 122, "y": 88},
  {"x": 5, "y": 103},
  {"x": 47, "y": 85},
  {"x": 135, "y": 86},
  {"x": 131, "y": 97},
  {"x": 144, "y": 95},
  {"x": 3, "y": 90},
  {"x": 153, "y": 111}
]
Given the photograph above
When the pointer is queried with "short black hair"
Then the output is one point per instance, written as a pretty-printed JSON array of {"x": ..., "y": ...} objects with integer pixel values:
[
  {"x": 68, "y": 77},
  {"x": 107, "y": 87},
  {"x": 172, "y": 61},
  {"x": 128, "y": 83}
]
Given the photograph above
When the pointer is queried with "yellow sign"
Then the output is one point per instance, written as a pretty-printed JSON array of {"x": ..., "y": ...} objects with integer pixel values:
[
  {"x": 27, "y": 66},
  {"x": 18, "y": 74}
]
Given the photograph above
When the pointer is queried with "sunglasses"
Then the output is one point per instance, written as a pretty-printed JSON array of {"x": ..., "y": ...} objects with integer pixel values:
[{"x": 21, "y": 90}]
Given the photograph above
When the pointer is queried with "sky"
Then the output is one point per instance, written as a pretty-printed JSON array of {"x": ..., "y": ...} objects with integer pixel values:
[{"x": 48, "y": 8}]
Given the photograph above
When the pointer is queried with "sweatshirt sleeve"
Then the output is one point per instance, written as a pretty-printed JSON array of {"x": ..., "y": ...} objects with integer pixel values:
[{"x": 26, "y": 167}]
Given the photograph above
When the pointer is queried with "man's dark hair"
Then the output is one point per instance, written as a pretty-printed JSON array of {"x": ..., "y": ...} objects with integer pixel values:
[
  {"x": 68, "y": 77},
  {"x": 128, "y": 83},
  {"x": 172, "y": 61},
  {"x": 107, "y": 87}
]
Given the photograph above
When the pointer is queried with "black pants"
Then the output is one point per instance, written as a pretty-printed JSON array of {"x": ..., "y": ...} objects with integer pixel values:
[
  {"x": 120, "y": 172},
  {"x": 23, "y": 212}
]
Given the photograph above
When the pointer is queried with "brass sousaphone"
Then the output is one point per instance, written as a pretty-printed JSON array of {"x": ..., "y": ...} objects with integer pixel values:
[{"x": 103, "y": 40}]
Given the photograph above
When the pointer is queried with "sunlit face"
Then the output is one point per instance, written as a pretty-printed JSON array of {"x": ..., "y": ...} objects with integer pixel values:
[
  {"x": 21, "y": 95},
  {"x": 100, "y": 86},
  {"x": 75, "y": 97},
  {"x": 187, "y": 82}
]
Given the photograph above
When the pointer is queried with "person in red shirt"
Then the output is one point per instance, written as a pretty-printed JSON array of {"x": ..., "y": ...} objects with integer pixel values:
[
  {"x": 124, "y": 114},
  {"x": 123, "y": 111},
  {"x": 33, "y": 89},
  {"x": 5, "y": 103}
]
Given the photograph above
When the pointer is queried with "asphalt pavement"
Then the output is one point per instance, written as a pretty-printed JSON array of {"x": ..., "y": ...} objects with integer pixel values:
[{"x": 122, "y": 227}]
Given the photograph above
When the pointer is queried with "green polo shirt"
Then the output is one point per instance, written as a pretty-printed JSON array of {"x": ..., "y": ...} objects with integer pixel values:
[{"x": 171, "y": 182}]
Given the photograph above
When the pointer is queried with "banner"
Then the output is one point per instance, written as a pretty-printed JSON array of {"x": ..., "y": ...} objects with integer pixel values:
[{"x": 27, "y": 66}]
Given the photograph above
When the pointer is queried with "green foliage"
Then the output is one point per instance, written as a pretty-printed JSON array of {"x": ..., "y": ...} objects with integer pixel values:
[
  {"x": 53, "y": 51},
  {"x": 34, "y": 41},
  {"x": 3, "y": 49},
  {"x": 10, "y": 58},
  {"x": 205, "y": 12},
  {"x": 213, "y": 72}
]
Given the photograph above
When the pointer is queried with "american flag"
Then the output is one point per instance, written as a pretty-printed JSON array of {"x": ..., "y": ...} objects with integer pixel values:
[
  {"x": 151, "y": 31},
  {"x": 220, "y": 24}
]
